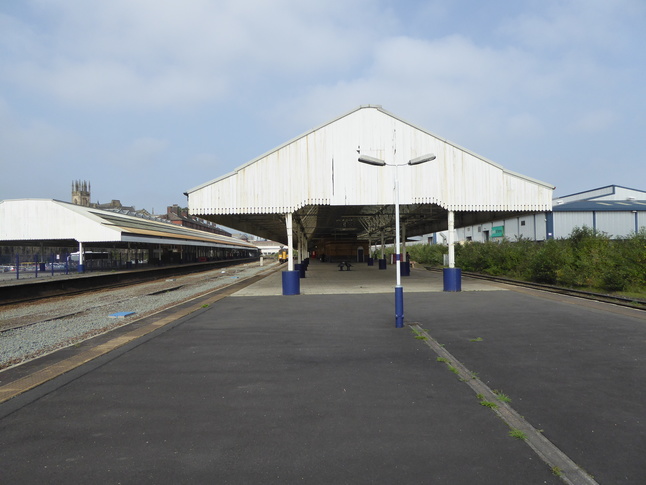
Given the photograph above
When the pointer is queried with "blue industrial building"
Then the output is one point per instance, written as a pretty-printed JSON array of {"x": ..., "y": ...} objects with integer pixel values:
[{"x": 615, "y": 210}]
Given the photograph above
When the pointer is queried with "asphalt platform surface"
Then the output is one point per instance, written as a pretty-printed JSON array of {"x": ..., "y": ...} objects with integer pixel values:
[{"x": 321, "y": 388}]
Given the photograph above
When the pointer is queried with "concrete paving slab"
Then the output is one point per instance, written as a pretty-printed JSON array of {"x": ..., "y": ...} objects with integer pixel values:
[{"x": 326, "y": 279}]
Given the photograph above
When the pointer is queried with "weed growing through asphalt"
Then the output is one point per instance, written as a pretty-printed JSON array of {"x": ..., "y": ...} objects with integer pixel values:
[
  {"x": 205, "y": 305},
  {"x": 420, "y": 337},
  {"x": 479, "y": 339},
  {"x": 518, "y": 434},
  {"x": 501, "y": 396},
  {"x": 489, "y": 404},
  {"x": 453, "y": 369},
  {"x": 557, "y": 471},
  {"x": 443, "y": 359},
  {"x": 485, "y": 403}
]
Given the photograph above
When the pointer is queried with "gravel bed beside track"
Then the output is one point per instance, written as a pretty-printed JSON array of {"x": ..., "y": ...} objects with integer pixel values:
[{"x": 32, "y": 330}]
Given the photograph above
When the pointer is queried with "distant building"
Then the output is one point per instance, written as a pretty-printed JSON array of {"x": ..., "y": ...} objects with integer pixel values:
[
  {"x": 81, "y": 193},
  {"x": 179, "y": 216},
  {"x": 269, "y": 247},
  {"x": 615, "y": 210},
  {"x": 81, "y": 196}
]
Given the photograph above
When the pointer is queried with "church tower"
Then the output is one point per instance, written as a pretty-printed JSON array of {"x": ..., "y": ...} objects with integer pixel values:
[{"x": 81, "y": 193}]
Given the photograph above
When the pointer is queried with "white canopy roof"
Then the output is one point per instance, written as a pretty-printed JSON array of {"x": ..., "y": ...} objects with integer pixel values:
[
  {"x": 53, "y": 221},
  {"x": 317, "y": 177}
]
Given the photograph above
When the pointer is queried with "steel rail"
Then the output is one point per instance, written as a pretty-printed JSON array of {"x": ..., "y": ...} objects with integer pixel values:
[{"x": 629, "y": 302}]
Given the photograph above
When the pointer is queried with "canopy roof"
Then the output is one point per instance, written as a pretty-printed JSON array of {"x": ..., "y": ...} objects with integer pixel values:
[
  {"x": 61, "y": 223},
  {"x": 317, "y": 177}
]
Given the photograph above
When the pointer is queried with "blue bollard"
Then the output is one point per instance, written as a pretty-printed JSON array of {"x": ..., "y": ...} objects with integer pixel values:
[
  {"x": 291, "y": 283},
  {"x": 452, "y": 279},
  {"x": 382, "y": 264}
]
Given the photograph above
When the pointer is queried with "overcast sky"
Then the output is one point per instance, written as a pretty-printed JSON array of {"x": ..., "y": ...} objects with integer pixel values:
[{"x": 149, "y": 98}]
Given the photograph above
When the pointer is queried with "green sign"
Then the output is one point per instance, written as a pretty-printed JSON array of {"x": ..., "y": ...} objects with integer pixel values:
[{"x": 498, "y": 231}]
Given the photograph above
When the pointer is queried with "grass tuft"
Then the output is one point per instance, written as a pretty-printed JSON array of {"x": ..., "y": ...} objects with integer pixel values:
[
  {"x": 518, "y": 434},
  {"x": 502, "y": 397},
  {"x": 489, "y": 404}
]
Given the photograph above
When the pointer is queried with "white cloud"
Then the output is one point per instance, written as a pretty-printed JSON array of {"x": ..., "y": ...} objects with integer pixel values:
[
  {"x": 444, "y": 83},
  {"x": 575, "y": 25},
  {"x": 166, "y": 54}
]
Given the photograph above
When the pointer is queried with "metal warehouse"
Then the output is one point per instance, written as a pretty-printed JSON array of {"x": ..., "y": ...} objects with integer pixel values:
[
  {"x": 614, "y": 210},
  {"x": 314, "y": 189},
  {"x": 52, "y": 225}
]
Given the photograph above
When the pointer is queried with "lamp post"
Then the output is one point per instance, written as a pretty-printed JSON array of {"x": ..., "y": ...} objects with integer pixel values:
[{"x": 399, "y": 290}]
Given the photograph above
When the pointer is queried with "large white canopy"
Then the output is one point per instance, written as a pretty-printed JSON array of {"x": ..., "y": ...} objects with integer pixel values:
[{"x": 317, "y": 177}]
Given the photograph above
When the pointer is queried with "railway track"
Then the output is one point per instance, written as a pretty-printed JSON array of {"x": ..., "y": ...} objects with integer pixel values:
[
  {"x": 36, "y": 290},
  {"x": 31, "y": 311},
  {"x": 617, "y": 300}
]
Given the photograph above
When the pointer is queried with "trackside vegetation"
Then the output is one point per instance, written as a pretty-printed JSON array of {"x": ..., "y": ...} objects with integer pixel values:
[{"x": 586, "y": 259}]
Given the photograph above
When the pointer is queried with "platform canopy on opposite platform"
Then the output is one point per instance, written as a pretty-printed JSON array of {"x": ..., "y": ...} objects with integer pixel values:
[{"x": 56, "y": 223}]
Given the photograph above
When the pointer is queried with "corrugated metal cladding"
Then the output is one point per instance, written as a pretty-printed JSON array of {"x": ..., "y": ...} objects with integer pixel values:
[{"x": 321, "y": 168}]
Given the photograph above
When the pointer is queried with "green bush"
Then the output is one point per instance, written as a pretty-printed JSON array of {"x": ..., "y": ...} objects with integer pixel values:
[
  {"x": 587, "y": 258},
  {"x": 427, "y": 254},
  {"x": 551, "y": 260}
]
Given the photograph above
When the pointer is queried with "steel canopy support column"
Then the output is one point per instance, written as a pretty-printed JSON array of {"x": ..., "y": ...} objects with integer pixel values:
[
  {"x": 290, "y": 242},
  {"x": 382, "y": 259},
  {"x": 81, "y": 266},
  {"x": 404, "y": 242},
  {"x": 451, "y": 239},
  {"x": 405, "y": 264},
  {"x": 291, "y": 281},
  {"x": 452, "y": 275},
  {"x": 300, "y": 267}
]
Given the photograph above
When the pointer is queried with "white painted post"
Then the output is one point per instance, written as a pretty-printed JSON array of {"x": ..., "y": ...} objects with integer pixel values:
[
  {"x": 404, "y": 242},
  {"x": 290, "y": 242},
  {"x": 451, "y": 239},
  {"x": 81, "y": 266}
]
